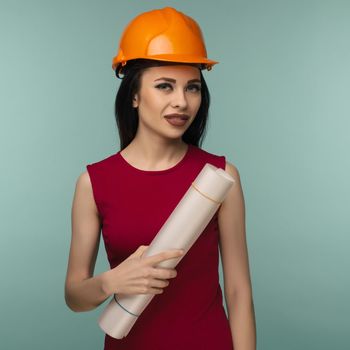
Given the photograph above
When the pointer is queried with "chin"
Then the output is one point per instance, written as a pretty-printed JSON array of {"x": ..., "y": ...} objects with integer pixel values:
[{"x": 174, "y": 135}]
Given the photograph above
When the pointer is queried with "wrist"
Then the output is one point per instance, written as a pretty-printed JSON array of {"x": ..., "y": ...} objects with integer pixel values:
[{"x": 105, "y": 285}]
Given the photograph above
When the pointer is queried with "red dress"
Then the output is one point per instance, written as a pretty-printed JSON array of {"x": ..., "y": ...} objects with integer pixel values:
[{"x": 133, "y": 205}]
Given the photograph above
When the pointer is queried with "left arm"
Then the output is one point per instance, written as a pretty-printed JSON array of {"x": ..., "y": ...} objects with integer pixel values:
[{"x": 234, "y": 256}]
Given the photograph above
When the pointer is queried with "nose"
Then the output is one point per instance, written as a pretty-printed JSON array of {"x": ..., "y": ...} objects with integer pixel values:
[{"x": 179, "y": 99}]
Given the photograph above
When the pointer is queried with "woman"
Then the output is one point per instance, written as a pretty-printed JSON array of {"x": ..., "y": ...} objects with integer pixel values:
[{"x": 161, "y": 112}]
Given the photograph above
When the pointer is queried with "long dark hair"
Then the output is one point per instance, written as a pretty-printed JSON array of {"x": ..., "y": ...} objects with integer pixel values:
[{"x": 126, "y": 115}]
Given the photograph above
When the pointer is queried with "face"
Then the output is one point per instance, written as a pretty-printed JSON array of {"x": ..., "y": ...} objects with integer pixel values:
[{"x": 165, "y": 91}]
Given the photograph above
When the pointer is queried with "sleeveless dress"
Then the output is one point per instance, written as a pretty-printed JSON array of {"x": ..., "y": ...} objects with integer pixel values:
[{"x": 133, "y": 204}]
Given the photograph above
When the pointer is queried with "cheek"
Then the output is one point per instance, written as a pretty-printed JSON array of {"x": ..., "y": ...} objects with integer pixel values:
[
  {"x": 196, "y": 102},
  {"x": 153, "y": 102}
]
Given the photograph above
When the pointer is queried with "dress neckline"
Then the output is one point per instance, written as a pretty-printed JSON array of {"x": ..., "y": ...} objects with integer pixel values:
[{"x": 156, "y": 172}]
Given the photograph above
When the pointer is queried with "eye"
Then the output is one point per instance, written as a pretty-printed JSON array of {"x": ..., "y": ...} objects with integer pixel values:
[
  {"x": 164, "y": 86},
  {"x": 194, "y": 87}
]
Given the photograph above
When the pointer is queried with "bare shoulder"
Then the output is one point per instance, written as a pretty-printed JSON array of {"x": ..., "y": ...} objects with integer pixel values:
[
  {"x": 83, "y": 181},
  {"x": 232, "y": 170},
  {"x": 234, "y": 197},
  {"x": 83, "y": 185},
  {"x": 84, "y": 193}
]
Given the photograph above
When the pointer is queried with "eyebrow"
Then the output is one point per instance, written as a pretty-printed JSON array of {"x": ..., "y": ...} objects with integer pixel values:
[{"x": 174, "y": 81}]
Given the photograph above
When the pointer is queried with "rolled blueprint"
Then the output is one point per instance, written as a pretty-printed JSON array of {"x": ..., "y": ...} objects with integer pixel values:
[{"x": 182, "y": 228}]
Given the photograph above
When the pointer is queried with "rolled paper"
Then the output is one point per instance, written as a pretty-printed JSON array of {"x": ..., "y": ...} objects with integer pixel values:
[{"x": 190, "y": 217}]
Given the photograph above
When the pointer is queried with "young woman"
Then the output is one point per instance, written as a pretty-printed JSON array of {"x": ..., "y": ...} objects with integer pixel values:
[{"x": 161, "y": 113}]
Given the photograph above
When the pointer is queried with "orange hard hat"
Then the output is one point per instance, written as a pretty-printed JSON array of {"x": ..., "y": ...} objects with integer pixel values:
[{"x": 164, "y": 35}]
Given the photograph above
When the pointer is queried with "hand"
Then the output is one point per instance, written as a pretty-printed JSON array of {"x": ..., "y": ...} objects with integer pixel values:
[{"x": 138, "y": 274}]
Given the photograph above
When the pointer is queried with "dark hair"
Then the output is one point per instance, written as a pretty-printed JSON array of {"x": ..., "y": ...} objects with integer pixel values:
[{"x": 127, "y": 116}]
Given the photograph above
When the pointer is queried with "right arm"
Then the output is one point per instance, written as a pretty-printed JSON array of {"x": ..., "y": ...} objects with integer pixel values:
[{"x": 84, "y": 292}]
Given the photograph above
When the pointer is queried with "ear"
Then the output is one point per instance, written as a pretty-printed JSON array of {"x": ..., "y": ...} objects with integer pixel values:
[{"x": 135, "y": 101}]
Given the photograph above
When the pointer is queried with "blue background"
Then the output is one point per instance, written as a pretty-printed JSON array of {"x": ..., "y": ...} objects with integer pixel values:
[{"x": 280, "y": 112}]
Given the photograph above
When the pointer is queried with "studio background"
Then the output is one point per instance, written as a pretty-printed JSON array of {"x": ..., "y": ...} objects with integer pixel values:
[{"x": 280, "y": 112}]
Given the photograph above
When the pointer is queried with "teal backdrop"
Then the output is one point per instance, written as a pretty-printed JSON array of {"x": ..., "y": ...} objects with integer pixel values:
[{"x": 280, "y": 112}]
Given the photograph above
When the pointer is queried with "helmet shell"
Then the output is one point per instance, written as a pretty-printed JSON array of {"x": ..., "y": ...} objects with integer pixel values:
[{"x": 164, "y": 35}]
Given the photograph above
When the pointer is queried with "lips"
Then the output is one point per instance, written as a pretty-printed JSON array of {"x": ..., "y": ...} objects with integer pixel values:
[
  {"x": 177, "y": 120},
  {"x": 177, "y": 116}
]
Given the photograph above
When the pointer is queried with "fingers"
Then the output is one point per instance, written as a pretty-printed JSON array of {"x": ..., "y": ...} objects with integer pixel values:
[
  {"x": 143, "y": 249},
  {"x": 161, "y": 273},
  {"x": 166, "y": 255},
  {"x": 156, "y": 279},
  {"x": 157, "y": 283},
  {"x": 138, "y": 275},
  {"x": 138, "y": 252}
]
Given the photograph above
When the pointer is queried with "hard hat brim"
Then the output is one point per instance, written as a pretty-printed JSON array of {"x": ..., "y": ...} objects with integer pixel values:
[{"x": 168, "y": 58}]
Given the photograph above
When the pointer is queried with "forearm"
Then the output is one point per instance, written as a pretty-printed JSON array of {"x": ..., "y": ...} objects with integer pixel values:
[
  {"x": 86, "y": 295},
  {"x": 242, "y": 321}
]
